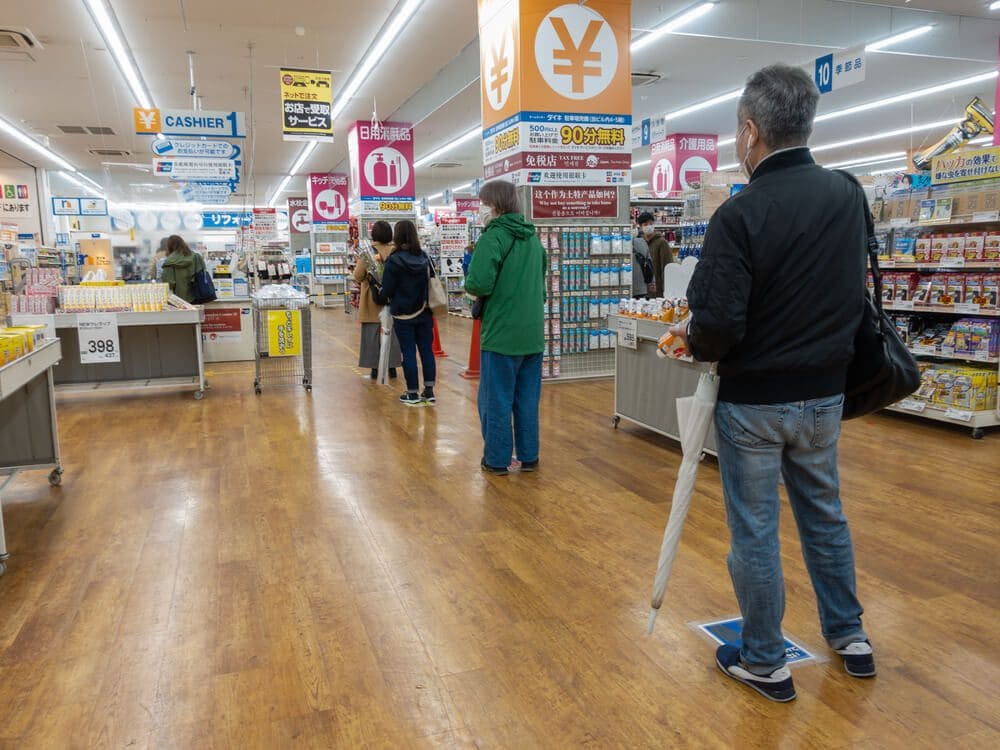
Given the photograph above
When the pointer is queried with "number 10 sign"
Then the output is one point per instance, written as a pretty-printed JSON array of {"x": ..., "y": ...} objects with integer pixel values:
[{"x": 98, "y": 338}]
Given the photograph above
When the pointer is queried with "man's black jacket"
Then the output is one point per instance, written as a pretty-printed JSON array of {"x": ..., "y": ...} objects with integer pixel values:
[{"x": 779, "y": 291}]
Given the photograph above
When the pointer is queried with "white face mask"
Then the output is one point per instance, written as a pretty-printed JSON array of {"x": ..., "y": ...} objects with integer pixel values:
[
  {"x": 485, "y": 214},
  {"x": 648, "y": 231},
  {"x": 745, "y": 164}
]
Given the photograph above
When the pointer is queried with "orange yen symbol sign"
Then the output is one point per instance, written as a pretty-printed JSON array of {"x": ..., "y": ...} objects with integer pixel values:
[
  {"x": 572, "y": 60},
  {"x": 498, "y": 71}
]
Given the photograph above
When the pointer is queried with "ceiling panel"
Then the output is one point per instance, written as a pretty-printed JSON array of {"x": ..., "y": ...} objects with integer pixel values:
[{"x": 427, "y": 70}]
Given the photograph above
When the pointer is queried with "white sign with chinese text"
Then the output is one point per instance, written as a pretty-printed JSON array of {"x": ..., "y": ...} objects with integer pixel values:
[
  {"x": 839, "y": 69},
  {"x": 196, "y": 169},
  {"x": 627, "y": 329},
  {"x": 98, "y": 334}
]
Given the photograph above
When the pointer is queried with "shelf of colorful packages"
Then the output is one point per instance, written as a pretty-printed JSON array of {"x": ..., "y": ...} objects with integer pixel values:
[{"x": 933, "y": 273}]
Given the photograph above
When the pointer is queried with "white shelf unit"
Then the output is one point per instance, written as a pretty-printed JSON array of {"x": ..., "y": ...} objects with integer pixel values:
[{"x": 976, "y": 420}]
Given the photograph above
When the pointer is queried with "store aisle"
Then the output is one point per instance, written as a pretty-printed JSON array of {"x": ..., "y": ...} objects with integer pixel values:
[{"x": 335, "y": 571}]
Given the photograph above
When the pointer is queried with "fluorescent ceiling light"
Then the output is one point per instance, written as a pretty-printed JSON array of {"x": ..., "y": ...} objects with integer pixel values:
[
  {"x": 727, "y": 167},
  {"x": 995, "y": 6},
  {"x": 897, "y": 38},
  {"x": 277, "y": 193},
  {"x": 909, "y": 95},
  {"x": 384, "y": 40},
  {"x": 638, "y": 164},
  {"x": 22, "y": 137},
  {"x": 889, "y": 170},
  {"x": 704, "y": 105},
  {"x": 97, "y": 185},
  {"x": 435, "y": 196},
  {"x": 79, "y": 183},
  {"x": 885, "y": 134},
  {"x": 461, "y": 187},
  {"x": 107, "y": 24},
  {"x": 474, "y": 133},
  {"x": 682, "y": 19},
  {"x": 310, "y": 147},
  {"x": 726, "y": 142},
  {"x": 862, "y": 162},
  {"x": 639, "y": 184}
]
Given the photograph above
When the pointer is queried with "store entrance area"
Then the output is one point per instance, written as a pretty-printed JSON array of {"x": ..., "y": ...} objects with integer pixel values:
[{"x": 334, "y": 570}]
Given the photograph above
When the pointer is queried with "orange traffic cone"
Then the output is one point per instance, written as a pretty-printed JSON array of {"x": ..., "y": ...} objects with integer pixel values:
[
  {"x": 472, "y": 371},
  {"x": 436, "y": 347}
]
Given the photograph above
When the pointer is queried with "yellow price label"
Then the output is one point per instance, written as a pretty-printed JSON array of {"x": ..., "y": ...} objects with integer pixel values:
[{"x": 284, "y": 333}]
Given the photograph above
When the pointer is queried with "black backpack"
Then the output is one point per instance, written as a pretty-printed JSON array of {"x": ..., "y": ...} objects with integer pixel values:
[
  {"x": 203, "y": 288},
  {"x": 645, "y": 265}
]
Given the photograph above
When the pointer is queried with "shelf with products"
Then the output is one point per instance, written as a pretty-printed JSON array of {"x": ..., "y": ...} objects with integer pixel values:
[
  {"x": 589, "y": 270},
  {"x": 959, "y": 309},
  {"x": 977, "y": 420}
]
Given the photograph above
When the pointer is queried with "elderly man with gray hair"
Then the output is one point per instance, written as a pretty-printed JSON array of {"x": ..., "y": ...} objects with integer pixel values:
[{"x": 776, "y": 300}]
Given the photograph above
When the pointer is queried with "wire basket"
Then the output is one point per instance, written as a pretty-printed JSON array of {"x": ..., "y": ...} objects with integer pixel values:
[{"x": 283, "y": 351}]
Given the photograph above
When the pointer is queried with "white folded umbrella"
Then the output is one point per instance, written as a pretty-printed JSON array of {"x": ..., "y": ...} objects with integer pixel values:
[
  {"x": 694, "y": 415},
  {"x": 385, "y": 318}
]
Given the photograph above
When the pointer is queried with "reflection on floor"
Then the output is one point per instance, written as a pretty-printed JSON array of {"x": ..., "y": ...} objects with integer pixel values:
[{"x": 334, "y": 570}]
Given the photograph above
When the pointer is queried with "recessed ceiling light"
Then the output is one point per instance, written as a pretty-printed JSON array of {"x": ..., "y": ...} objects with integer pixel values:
[
  {"x": 693, "y": 13},
  {"x": 897, "y": 38}
]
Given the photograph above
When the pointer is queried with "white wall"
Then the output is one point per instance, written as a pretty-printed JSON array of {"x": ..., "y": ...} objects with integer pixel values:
[{"x": 28, "y": 222}]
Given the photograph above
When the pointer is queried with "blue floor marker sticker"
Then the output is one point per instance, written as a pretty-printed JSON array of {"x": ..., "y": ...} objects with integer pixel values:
[{"x": 728, "y": 632}]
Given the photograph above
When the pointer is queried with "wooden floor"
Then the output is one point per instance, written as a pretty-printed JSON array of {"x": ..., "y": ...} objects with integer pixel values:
[{"x": 333, "y": 571}]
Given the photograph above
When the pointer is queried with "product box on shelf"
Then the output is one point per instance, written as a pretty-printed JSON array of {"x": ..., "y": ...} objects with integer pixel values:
[
  {"x": 922, "y": 249},
  {"x": 991, "y": 250},
  {"x": 939, "y": 291},
  {"x": 954, "y": 248},
  {"x": 938, "y": 247},
  {"x": 959, "y": 387},
  {"x": 954, "y": 288},
  {"x": 11, "y": 347},
  {"x": 975, "y": 247},
  {"x": 991, "y": 292},
  {"x": 922, "y": 294},
  {"x": 973, "y": 337},
  {"x": 904, "y": 284}
]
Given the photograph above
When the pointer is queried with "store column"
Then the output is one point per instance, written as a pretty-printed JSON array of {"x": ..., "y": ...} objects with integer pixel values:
[{"x": 557, "y": 122}]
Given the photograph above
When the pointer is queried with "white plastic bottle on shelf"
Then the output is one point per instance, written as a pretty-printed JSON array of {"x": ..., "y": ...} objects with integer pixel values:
[
  {"x": 594, "y": 308},
  {"x": 626, "y": 276}
]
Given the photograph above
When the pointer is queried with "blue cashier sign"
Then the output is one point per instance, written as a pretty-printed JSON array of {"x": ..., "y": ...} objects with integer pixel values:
[{"x": 729, "y": 633}]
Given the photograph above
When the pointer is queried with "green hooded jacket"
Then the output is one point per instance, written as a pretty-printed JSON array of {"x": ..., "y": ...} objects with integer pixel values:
[
  {"x": 179, "y": 271},
  {"x": 513, "y": 321}
]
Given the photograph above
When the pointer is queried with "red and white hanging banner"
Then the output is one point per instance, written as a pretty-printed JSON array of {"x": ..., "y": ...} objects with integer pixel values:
[
  {"x": 679, "y": 160},
  {"x": 328, "y": 201}
]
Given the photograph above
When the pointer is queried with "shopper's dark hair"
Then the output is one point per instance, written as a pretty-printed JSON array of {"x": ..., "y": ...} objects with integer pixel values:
[
  {"x": 176, "y": 244},
  {"x": 782, "y": 100},
  {"x": 382, "y": 232},
  {"x": 405, "y": 237},
  {"x": 501, "y": 196},
  {"x": 645, "y": 217}
]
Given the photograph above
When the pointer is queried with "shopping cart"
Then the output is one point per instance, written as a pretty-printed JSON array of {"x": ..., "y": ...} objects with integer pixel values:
[{"x": 283, "y": 352}]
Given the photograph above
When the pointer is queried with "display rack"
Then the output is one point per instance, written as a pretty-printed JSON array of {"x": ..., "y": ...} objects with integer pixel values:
[
  {"x": 647, "y": 387},
  {"x": 158, "y": 350},
  {"x": 29, "y": 439},
  {"x": 667, "y": 212},
  {"x": 949, "y": 285},
  {"x": 330, "y": 261},
  {"x": 453, "y": 234}
]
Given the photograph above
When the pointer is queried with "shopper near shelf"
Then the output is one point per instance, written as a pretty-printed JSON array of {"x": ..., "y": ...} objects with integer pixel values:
[
  {"x": 508, "y": 269},
  {"x": 156, "y": 264},
  {"x": 369, "y": 309},
  {"x": 642, "y": 266},
  {"x": 404, "y": 288},
  {"x": 659, "y": 249},
  {"x": 776, "y": 300},
  {"x": 180, "y": 267}
]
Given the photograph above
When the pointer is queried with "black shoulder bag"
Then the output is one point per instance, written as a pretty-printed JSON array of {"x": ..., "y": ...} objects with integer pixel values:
[
  {"x": 479, "y": 305},
  {"x": 882, "y": 371}
]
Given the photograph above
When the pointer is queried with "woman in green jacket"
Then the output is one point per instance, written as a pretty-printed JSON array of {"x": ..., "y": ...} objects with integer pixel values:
[
  {"x": 508, "y": 270},
  {"x": 180, "y": 267}
]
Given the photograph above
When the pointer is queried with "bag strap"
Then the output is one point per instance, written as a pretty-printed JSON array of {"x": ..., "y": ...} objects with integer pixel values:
[{"x": 872, "y": 246}]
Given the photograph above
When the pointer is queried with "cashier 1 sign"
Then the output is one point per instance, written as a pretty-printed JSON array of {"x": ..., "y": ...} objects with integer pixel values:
[{"x": 381, "y": 156}]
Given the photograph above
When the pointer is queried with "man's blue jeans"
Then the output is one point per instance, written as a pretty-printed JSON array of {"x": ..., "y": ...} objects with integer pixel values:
[
  {"x": 797, "y": 441},
  {"x": 509, "y": 387}
]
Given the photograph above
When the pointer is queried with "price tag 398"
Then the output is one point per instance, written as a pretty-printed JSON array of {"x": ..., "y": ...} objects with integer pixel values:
[{"x": 98, "y": 334}]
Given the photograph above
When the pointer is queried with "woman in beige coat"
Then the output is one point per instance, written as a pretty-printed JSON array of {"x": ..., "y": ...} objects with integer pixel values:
[{"x": 368, "y": 309}]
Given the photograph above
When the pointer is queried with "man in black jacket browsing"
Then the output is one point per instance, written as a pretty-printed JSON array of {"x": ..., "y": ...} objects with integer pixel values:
[{"x": 776, "y": 300}]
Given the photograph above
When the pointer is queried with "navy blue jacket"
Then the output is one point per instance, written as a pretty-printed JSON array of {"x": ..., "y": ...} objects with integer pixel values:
[{"x": 404, "y": 282}]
